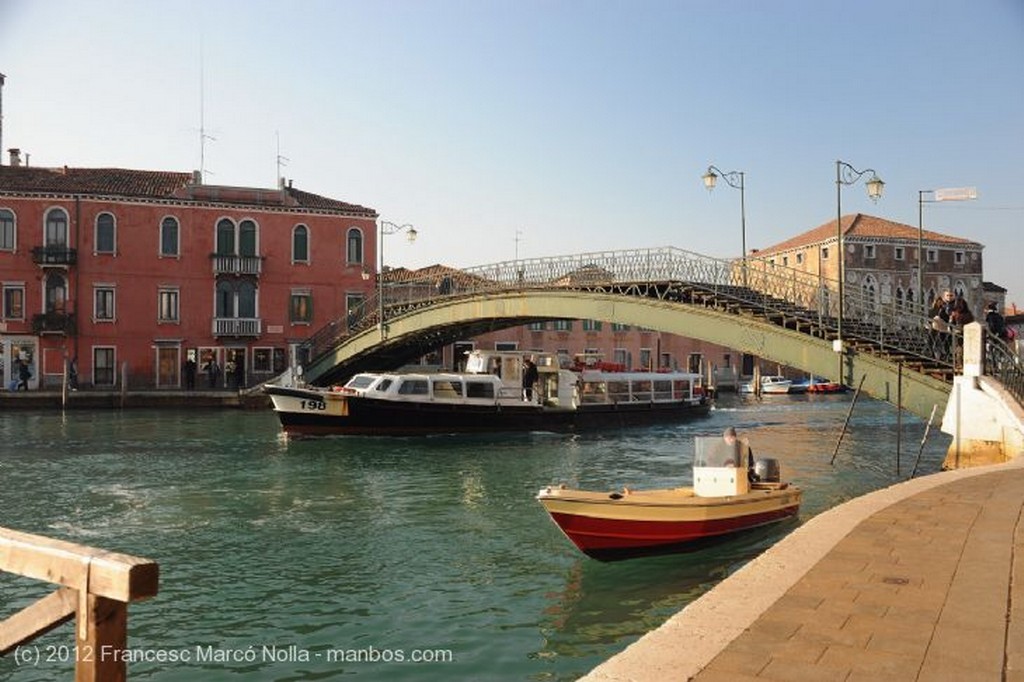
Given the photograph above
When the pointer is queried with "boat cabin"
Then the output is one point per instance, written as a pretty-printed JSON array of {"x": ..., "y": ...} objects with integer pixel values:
[{"x": 719, "y": 468}]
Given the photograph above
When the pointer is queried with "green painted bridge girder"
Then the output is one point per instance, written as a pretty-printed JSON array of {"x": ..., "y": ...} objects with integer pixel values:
[{"x": 744, "y": 333}]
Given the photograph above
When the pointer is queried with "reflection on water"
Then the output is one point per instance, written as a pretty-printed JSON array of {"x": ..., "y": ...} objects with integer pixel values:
[{"x": 395, "y": 544}]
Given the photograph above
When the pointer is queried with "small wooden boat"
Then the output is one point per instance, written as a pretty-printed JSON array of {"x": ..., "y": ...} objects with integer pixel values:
[{"x": 722, "y": 501}]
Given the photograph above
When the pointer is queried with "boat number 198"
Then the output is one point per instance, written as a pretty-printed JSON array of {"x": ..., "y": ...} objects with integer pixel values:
[{"x": 313, "y": 405}]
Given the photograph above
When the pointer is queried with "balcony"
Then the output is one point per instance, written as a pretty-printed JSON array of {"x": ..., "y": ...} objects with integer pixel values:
[
  {"x": 237, "y": 326},
  {"x": 53, "y": 323},
  {"x": 236, "y": 265},
  {"x": 54, "y": 255}
]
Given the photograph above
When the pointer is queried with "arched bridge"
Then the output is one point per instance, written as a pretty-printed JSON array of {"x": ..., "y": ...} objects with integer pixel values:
[{"x": 779, "y": 314}]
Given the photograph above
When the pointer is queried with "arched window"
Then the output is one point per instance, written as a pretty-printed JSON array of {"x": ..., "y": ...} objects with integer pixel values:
[
  {"x": 8, "y": 234},
  {"x": 870, "y": 289},
  {"x": 225, "y": 299},
  {"x": 354, "y": 246},
  {"x": 300, "y": 244},
  {"x": 246, "y": 299},
  {"x": 56, "y": 293},
  {"x": 56, "y": 228},
  {"x": 247, "y": 238},
  {"x": 225, "y": 238},
  {"x": 169, "y": 237},
  {"x": 105, "y": 236}
]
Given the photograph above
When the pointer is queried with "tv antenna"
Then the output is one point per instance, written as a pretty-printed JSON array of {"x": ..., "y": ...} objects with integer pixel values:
[
  {"x": 203, "y": 136},
  {"x": 281, "y": 160}
]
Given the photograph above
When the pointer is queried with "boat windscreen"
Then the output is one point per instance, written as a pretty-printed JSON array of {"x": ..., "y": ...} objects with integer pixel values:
[
  {"x": 361, "y": 381},
  {"x": 715, "y": 452}
]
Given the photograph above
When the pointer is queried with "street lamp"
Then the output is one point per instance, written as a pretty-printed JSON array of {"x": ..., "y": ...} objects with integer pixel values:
[
  {"x": 848, "y": 175},
  {"x": 733, "y": 179},
  {"x": 388, "y": 228},
  {"x": 952, "y": 194}
]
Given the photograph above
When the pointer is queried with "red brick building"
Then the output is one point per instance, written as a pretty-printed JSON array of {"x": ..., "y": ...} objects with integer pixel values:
[{"x": 135, "y": 273}]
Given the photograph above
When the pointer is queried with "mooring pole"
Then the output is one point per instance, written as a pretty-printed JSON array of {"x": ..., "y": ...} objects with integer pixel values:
[
  {"x": 848, "y": 415},
  {"x": 899, "y": 414}
]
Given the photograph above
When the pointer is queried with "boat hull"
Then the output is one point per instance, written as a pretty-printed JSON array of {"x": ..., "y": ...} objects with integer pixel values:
[
  {"x": 612, "y": 525},
  {"x": 307, "y": 412}
]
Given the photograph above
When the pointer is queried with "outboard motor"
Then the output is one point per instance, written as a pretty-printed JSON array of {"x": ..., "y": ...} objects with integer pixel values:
[{"x": 767, "y": 470}]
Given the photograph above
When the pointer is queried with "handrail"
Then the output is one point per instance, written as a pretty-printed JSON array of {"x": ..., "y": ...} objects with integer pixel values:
[{"x": 96, "y": 586}]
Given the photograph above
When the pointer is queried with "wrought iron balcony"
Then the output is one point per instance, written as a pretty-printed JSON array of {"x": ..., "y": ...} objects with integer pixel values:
[
  {"x": 236, "y": 265},
  {"x": 54, "y": 255},
  {"x": 54, "y": 323},
  {"x": 237, "y": 326}
]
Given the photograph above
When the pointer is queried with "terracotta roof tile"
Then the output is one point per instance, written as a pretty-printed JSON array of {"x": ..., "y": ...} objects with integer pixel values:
[
  {"x": 864, "y": 226},
  {"x": 143, "y": 184}
]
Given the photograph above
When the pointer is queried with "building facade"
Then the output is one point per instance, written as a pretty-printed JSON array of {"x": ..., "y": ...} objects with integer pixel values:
[
  {"x": 881, "y": 260},
  {"x": 141, "y": 277}
]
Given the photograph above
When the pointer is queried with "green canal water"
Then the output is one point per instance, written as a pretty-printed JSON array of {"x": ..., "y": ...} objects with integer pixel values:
[{"x": 390, "y": 559}]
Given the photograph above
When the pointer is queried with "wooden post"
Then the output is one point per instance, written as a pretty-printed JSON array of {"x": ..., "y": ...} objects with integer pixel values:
[{"x": 100, "y": 650}]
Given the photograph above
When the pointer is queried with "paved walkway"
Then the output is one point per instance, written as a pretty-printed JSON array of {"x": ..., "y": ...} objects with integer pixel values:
[{"x": 916, "y": 582}]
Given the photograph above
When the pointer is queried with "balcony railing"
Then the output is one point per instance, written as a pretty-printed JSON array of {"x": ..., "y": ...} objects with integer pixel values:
[
  {"x": 54, "y": 255},
  {"x": 236, "y": 265},
  {"x": 54, "y": 323},
  {"x": 237, "y": 326}
]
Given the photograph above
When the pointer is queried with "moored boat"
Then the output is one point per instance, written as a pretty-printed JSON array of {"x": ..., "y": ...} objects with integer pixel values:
[
  {"x": 770, "y": 384},
  {"x": 722, "y": 501},
  {"x": 488, "y": 396}
]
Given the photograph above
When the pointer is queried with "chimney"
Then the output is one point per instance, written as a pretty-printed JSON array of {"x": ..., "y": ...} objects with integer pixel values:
[
  {"x": 280, "y": 183},
  {"x": 15, "y": 156},
  {"x": 197, "y": 177}
]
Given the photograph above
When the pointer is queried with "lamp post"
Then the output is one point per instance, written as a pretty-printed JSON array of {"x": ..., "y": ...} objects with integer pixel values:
[
  {"x": 953, "y": 194},
  {"x": 733, "y": 179},
  {"x": 848, "y": 175},
  {"x": 388, "y": 228}
]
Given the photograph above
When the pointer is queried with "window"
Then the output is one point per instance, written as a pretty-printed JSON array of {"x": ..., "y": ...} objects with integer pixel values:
[
  {"x": 103, "y": 366},
  {"x": 563, "y": 325},
  {"x": 105, "y": 239},
  {"x": 167, "y": 305},
  {"x": 14, "y": 302},
  {"x": 620, "y": 356},
  {"x": 56, "y": 293},
  {"x": 645, "y": 358},
  {"x": 169, "y": 244},
  {"x": 591, "y": 325},
  {"x": 785, "y": 261},
  {"x": 354, "y": 246},
  {"x": 414, "y": 387},
  {"x": 262, "y": 360},
  {"x": 355, "y": 307},
  {"x": 899, "y": 253},
  {"x": 301, "y": 308},
  {"x": 959, "y": 258},
  {"x": 225, "y": 238},
  {"x": 506, "y": 345},
  {"x": 932, "y": 255},
  {"x": 56, "y": 228},
  {"x": 300, "y": 244},
  {"x": 869, "y": 251},
  {"x": 103, "y": 303},
  {"x": 7, "y": 233},
  {"x": 824, "y": 253},
  {"x": 800, "y": 258},
  {"x": 617, "y": 327},
  {"x": 536, "y": 326},
  {"x": 236, "y": 299},
  {"x": 247, "y": 238},
  {"x": 479, "y": 389}
]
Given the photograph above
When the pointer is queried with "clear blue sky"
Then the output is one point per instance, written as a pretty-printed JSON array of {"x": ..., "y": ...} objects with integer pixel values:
[{"x": 581, "y": 125}]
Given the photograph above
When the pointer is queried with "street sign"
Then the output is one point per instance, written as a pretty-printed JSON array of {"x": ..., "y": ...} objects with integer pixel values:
[{"x": 956, "y": 194}]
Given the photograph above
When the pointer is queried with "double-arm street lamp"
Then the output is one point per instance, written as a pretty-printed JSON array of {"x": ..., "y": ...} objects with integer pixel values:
[
  {"x": 388, "y": 228},
  {"x": 848, "y": 175},
  {"x": 733, "y": 179}
]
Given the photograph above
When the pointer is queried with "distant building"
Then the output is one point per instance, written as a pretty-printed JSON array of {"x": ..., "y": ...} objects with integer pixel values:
[
  {"x": 881, "y": 259},
  {"x": 134, "y": 272}
]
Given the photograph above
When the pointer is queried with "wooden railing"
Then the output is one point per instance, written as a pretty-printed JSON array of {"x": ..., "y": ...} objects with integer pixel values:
[{"x": 95, "y": 587}]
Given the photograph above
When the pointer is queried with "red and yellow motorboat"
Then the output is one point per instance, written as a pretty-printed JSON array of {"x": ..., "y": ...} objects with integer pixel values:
[{"x": 722, "y": 501}]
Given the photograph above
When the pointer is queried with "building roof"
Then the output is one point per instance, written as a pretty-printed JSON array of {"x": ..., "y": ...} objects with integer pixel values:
[
  {"x": 159, "y": 185},
  {"x": 866, "y": 227}
]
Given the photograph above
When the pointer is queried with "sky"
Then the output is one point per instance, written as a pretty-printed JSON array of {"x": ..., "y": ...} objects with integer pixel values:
[{"x": 532, "y": 128}]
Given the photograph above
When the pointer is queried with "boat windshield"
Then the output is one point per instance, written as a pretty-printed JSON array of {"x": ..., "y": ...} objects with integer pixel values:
[{"x": 715, "y": 452}]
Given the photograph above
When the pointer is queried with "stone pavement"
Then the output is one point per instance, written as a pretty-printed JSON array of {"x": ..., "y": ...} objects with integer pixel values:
[{"x": 915, "y": 582}]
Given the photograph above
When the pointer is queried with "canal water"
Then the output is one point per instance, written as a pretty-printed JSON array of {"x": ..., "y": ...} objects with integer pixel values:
[{"x": 391, "y": 559}]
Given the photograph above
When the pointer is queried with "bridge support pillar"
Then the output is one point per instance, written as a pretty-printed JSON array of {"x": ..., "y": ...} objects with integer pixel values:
[{"x": 986, "y": 423}]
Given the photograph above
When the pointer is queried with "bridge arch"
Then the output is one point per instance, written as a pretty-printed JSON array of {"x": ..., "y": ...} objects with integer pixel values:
[{"x": 446, "y": 320}]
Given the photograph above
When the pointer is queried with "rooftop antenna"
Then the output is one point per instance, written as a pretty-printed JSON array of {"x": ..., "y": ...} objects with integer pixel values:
[
  {"x": 2, "y": 111},
  {"x": 203, "y": 137},
  {"x": 281, "y": 160},
  {"x": 518, "y": 238}
]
